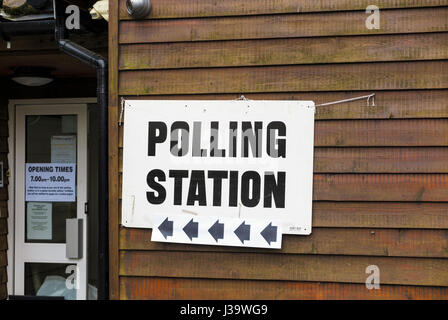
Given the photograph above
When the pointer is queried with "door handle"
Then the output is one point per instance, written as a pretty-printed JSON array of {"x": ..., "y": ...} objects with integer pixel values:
[{"x": 74, "y": 236}]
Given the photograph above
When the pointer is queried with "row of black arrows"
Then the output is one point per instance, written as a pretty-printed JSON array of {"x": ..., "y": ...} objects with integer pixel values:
[{"x": 191, "y": 229}]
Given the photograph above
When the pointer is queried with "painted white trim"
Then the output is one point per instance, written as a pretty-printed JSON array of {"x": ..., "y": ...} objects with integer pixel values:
[
  {"x": 11, "y": 195},
  {"x": 11, "y": 168}
]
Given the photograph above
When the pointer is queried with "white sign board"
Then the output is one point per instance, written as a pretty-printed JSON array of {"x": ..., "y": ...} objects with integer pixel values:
[
  {"x": 221, "y": 159},
  {"x": 39, "y": 221},
  {"x": 50, "y": 182},
  {"x": 223, "y": 231}
]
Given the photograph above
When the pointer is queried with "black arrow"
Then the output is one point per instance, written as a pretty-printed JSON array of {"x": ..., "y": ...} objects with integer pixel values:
[
  {"x": 270, "y": 233},
  {"x": 166, "y": 228},
  {"x": 243, "y": 232},
  {"x": 217, "y": 230},
  {"x": 191, "y": 229}
]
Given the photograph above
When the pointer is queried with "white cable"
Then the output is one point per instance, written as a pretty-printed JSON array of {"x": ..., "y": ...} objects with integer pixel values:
[{"x": 351, "y": 99}]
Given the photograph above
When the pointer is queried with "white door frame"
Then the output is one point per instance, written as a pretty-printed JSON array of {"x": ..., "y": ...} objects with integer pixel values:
[{"x": 13, "y": 104}]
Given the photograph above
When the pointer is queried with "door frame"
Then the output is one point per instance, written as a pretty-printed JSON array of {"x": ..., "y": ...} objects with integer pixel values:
[{"x": 11, "y": 172}]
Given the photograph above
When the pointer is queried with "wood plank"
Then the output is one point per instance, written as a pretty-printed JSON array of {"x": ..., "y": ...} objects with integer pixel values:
[
  {"x": 210, "y": 289},
  {"x": 3, "y": 209},
  {"x": 3, "y": 263},
  {"x": 3, "y": 226},
  {"x": 255, "y": 266},
  {"x": 380, "y": 187},
  {"x": 402, "y": 215},
  {"x": 162, "y": 9},
  {"x": 3, "y": 291},
  {"x": 337, "y": 241},
  {"x": 283, "y": 26},
  {"x": 3, "y": 242},
  {"x": 284, "y": 51},
  {"x": 3, "y": 275},
  {"x": 334, "y": 77},
  {"x": 381, "y": 160},
  {"x": 113, "y": 102},
  {"x": 388, "y": 104},
  {"x": 381, "y": 133}
]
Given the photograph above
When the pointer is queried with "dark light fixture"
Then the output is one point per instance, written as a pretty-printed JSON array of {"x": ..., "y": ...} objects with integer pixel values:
[{"x": 32, "y": 76}]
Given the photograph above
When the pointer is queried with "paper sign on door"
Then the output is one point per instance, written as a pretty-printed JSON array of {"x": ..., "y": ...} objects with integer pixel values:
[
  {"x": 39, "y": 221},
  {"x": 50, "y": 182}
]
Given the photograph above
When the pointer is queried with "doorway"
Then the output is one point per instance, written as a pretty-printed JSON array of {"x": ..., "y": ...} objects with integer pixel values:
[{"x": 54, "y": 205}]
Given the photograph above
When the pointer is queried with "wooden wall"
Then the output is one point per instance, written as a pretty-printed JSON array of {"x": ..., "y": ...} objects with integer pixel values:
[{"x": 380, "y": 174}]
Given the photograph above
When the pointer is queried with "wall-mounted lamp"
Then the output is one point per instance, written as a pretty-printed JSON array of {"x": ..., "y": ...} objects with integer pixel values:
[
  {"x": 138, "y": 9},
  {"x": 32, "y": 76}
]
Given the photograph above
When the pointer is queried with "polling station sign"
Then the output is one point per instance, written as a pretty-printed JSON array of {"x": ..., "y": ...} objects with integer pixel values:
[{"x": 239, "y": 159}]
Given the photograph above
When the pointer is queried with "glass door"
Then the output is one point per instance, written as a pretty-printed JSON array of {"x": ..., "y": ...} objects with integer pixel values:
[{"x": 50, "y": 198}]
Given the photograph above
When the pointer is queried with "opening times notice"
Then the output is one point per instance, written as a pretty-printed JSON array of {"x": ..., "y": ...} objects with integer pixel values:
[{"x": 54, "y": 182}]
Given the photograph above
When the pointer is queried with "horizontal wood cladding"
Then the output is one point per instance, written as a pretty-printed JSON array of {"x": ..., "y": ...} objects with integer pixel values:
[
  {"x": 283, "y": 26},
  {"x": 3, "y": 291},
  {"x": 323, "y": 241},
  {"x": 388, "y": 104},
  {"x": 162, "y": 9},
  {"x": 400, "y": 215},
  {"x": 381, "y": 160},
  {"x": 3, "y": 226},
  {"x": 3, "y": 209},
  {"x": 3, "y": 263},
  {"x": 335, "y": 77},
  {"x": 403, "y": 47},
  {"x": 289, "y": 267},
  {"x": 380, "y": 184},
  {"x": 3, "y": 274},
  {"x": 374, "y": 160},
  {"x": 205, "y": 289},
  {"x": 380, "y": 187},
  {"x": 3, "y": 242},
  {"x": 381, "y": 133}
]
